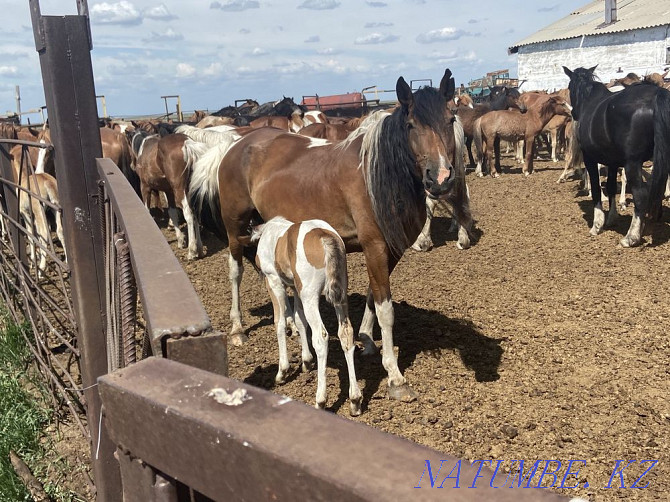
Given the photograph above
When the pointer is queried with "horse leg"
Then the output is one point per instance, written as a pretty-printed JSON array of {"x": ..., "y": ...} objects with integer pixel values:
[
  {"x": 278, "y": 297},
  {"x": 611, "y": 195},
  {"x": 59, "y": 231},
  {"x": 554, "y": 145},
  {"x": 380, "y": 265},
  {"x": 235, "y": 271},
  {"x": 468, "y": 145},
  {"x": 622, "y": 196},
  {"x": 489, "y": 149},
  {"x": 310, "y": 300},
  {"x": 640, "y": 199},
  {"x": 174, "y": 218},
  {"x": 193, "y": 227},
  {"x": 496, "y": 154},
  {"x": 367, "y": 326},
  {"x": 301, "y": 326},
  {"x": 423, "y": 241},
  {"x": 594, "y": 180},
  {"x": 346, "y": 335},
  {"x": 530, "y": 152}
]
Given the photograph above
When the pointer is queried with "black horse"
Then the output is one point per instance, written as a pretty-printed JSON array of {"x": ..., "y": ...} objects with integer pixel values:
[
  {"x": 625, "y": 129},
  {"x": 243, "y": 116}
]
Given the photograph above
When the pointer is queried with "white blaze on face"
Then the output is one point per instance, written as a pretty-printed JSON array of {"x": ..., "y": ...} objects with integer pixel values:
[
  {"x": 443, "y": 171},
  {"x": 41, "y": 159}
]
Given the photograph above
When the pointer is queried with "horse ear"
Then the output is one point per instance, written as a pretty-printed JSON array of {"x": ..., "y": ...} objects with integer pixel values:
[
  {"x": 404, "y": 93},
  {"x": 447, "y": 85},
  {"x": 593, "y": 68},
  {"x": 567, "y": 71}
]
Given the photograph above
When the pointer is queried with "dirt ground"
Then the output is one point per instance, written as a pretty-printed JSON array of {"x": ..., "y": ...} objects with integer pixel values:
[{"x": 539, "y": 342}]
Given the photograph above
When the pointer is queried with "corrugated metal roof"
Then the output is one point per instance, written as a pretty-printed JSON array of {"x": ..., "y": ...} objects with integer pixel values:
[{"x": 590, "y": 20}]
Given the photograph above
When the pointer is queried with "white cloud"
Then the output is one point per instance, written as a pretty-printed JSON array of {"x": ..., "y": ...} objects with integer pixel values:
[
  {"x": 8, "y": 71},
  {"x": 441, "y": 35},
  {"x": 213, "y": 70},
  {"x": 319, "y": 4},
  {"x": 377, "y": 25},
  {"x": 313, "y": 39},
  {"x": 376, "y": 38},
  {"x": 185, "y": 70},
  {"x": 169, "y": 36},
  {"x": 258, "y": 52},
  {"x": 453, "y": 56},
  {"x": 327, "y": 51},
  {"x": 123, "y": 13},
  {"x": 159, "y": 13},
  {"x": 235, "y": 5}
]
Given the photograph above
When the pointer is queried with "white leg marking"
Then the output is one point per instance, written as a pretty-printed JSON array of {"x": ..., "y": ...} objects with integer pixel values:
[{"x": 385, "y": 317}]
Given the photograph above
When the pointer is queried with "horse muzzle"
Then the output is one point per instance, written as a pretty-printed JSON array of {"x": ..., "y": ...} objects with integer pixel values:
[{"x": 438, "y": 181}]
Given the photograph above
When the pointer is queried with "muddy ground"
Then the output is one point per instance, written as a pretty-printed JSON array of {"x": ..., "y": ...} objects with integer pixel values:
[{"x": 539, "y": 342}]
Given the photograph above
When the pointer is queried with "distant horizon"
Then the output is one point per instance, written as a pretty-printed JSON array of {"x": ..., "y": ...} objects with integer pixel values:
[{"x": 212, "y": 53}]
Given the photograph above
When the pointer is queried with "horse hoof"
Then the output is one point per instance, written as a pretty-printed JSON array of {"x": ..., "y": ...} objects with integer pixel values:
[
  {"x": 369, "y": 347},
  {"x": 279, "y": 379},
  {"x": 307, "y": 366},
  {"x": 463, "y": 245},
  {"x": 628, "y": 242},
  {"x": 402, "y": 393},
  {"x": 238, "y": 339},
  {"x": 355, "y": 407},
  {"x": 320, "y": 406},
  {"x": 495, "y": 175}
]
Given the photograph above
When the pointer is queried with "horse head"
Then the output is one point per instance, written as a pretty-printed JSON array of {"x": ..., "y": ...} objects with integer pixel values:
[
  {"x": 582, "y": 83},
  {"x": 429, "y": 125},
  {"x": 287, "y": 107}
]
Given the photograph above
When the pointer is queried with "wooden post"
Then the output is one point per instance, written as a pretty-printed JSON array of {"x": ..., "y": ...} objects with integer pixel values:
[{"x": 63, "y": 45}]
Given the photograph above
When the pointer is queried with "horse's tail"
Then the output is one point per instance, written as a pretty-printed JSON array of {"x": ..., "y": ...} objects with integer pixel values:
[
  {"x": 203, "y": 190},
  {"x": 459, "y": 197},
  {"x": 477, "y": 137},
  {"x": 335, "y": 289},
  {"x": 659, "y": 174},
  {"x": 192, "y": 150}
]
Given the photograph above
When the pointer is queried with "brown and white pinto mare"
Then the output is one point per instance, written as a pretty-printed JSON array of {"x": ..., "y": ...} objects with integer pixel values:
[
  {"x": 314, "y": 117},
  {"x": 330, "y": 132},
  {"x": 512, "y": 125},
  {"x": 212, "y": 121},
  {"x": 164, "y": 165},
  {"x": 371, "y": 188},
  {"x": 292, "y": 124}
]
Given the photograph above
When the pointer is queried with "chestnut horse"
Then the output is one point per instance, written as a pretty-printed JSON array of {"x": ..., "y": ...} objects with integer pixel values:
[
  {"x": 371, "y": 188},
  {"x": 513, "y": 125}
]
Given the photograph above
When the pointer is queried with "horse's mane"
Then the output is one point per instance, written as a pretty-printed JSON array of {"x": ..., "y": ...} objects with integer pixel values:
[
  {"x": 583, "y": 85},
  {"x": 211, "y": 136},
  {"x": 396, "y": 192}
]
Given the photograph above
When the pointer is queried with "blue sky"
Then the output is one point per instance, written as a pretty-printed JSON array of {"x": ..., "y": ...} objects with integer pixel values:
[{"x": 214, "y": 52}]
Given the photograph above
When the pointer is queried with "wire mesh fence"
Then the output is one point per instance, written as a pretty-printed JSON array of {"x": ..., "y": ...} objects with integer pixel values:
[{"x": 34, "y": 275}]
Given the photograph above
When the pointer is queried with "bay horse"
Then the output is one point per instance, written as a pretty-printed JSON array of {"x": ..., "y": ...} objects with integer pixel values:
[
  {"x": 513, "y": 125},
  {"x": 501, "y": 98},
  {"x": 371, "y": 188},
  {"x": 625, "y": 129},
  {"x": 308, "y": 257}
]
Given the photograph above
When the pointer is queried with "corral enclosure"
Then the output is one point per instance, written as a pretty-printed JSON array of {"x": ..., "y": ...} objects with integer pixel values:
[{"x": 539, "y": 342}]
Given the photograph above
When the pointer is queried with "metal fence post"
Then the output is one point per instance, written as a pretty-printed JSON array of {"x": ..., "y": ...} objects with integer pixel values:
[{"x": 64, "y": 50}]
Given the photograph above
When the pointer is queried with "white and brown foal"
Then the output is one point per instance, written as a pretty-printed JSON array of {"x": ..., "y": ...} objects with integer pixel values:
[{"x": 310, "y": 258}]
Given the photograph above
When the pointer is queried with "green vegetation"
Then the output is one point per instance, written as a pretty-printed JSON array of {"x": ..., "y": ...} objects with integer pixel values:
[{"x": 24, "y": 416}]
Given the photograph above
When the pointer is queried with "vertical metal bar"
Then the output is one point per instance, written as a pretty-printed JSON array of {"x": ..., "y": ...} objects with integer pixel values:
[
  {"x": 70, "y": 94},
  {"x": 18, "y": 102}
]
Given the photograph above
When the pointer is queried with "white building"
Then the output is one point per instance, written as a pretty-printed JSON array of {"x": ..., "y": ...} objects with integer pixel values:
[{"x": 619, "y": 36}]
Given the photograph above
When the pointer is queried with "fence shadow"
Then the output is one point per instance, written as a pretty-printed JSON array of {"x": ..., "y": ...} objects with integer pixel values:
[{"x": 416, "y": 331}]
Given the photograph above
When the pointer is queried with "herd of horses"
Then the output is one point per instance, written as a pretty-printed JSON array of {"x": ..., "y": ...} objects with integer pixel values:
[{"x": 294, "y": 191}]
